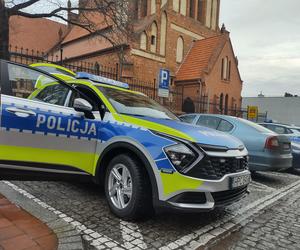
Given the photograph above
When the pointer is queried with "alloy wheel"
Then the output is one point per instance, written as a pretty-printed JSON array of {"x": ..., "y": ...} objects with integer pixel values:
[{"x": 120, "y": 186}]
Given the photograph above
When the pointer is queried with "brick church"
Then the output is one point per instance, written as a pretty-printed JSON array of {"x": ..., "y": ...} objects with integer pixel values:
[{"x": 180, "y": 35}]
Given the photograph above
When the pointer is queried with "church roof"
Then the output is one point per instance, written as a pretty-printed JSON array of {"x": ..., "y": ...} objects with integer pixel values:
[
  {"x": 201, "y": 58},
  {"x": 39, "y": 34}
]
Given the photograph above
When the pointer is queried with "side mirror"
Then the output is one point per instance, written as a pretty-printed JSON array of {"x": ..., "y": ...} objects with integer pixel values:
[{"x": 84, "y": 106}]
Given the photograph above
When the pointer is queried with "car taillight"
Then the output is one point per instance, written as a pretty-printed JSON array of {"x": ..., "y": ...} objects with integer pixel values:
[{"x": 272, "y": 143}]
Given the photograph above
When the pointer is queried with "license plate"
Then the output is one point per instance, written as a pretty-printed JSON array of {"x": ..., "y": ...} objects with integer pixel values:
[{"x": 239, "y": 181}]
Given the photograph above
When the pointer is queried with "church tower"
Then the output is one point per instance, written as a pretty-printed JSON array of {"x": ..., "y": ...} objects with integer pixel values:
[{"x": 205, "y": 12}]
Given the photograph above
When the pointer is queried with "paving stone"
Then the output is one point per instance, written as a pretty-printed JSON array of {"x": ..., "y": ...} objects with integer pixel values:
[
  {"x": 85, "y": 204},
  {"x": 70, "y": 239},
  {"x": 273, "y": 228},
  {"x": 250, "y": 243}
]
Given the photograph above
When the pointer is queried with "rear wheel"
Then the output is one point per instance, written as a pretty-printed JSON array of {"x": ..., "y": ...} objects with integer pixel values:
[{"x": 127, "y": 188}]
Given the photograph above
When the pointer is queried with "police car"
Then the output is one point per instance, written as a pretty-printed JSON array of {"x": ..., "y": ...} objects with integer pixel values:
[{"x": 95, "y": 128}]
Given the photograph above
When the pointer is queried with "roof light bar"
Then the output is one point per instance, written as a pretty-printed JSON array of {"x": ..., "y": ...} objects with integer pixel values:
[{"x": 101, "y": 79}]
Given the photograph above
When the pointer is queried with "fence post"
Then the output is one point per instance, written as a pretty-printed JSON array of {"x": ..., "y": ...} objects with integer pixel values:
[
  {"x": 61, "y": 55},
  {"x": 154, "y": 88},
  {"x": 117, "y": 71},
  {"x": 97, "y": 68}
]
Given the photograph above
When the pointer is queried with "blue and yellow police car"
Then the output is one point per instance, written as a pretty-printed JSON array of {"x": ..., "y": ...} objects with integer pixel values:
[{"x": 62, "y": 125}]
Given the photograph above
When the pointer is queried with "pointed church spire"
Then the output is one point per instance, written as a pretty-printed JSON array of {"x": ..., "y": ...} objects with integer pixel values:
[{"x": 223, "y": 29}]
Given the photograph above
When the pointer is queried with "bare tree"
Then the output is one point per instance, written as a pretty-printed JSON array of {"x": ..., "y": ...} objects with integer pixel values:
[{"x": 115, "y": 15}]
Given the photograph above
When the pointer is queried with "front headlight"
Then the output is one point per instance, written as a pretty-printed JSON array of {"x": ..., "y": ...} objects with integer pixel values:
[{"x": 181, "y": 156}]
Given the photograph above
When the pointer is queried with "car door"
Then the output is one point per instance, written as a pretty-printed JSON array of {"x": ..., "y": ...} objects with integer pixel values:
[{"x": 39, "y": 135}]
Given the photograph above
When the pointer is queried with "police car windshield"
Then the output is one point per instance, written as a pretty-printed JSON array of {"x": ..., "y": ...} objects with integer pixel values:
[{"x": 128, "y": 103}]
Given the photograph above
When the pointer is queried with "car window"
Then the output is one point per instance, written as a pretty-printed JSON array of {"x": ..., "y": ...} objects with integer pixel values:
[
  {"x": 279, "y": 129},
  {"x": 187, "y": 118},
  {"x": 255, "y": 126},
  {"x": 265, "y": 125},
  {"x": 88, "y": 94},
  {"x": 209, "y": 121},
  {"x": 28, "y": 83},
  {"x": 54, "y": 94},
  {"x": 295, "y": 131},
  {"x": 288, "y": 131},
  {"x": 225, "y": 126}
]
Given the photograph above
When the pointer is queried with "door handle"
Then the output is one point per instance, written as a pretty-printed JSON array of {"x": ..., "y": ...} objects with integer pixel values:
[{"x": 20, "y": 112}]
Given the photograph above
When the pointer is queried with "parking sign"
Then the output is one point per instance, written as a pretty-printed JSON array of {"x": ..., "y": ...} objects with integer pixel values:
[{"x": 164, "y": 83}]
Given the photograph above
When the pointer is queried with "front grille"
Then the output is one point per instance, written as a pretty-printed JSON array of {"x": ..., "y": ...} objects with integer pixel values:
[
  {"x": 226, "y": 197},
  {"x": 214, "y": 168}
]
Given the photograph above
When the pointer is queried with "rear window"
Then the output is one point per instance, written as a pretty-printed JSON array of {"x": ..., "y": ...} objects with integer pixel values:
[
  {"x": 225, "y": 126},
  {"x": 277, "y": 129},
  {"x": 209, "y": 121},
  {"x": 257, "y": 127}
]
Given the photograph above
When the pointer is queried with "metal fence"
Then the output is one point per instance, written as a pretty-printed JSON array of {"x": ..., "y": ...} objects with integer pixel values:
[
  {"x": 26, "y": 56},
  {"x": 176, "y": 101}
]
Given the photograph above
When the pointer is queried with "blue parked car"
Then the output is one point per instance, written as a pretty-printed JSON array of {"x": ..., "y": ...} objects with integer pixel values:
[
  {"x": 268, "y": 151},
  {"x": 296, "y": 155},
  {"x": 291, "y": 132}
]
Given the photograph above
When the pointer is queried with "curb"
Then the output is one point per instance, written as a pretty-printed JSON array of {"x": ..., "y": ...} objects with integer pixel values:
[{"x": 68, "y": 237}]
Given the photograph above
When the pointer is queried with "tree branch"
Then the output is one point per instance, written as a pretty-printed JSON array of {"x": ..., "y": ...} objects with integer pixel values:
[
  {"x": 45, "y": 15},
  {"x": 24, "y": 5}
]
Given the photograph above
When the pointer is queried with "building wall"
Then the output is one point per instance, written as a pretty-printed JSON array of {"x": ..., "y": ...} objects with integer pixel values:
[
  {"x": 215, "y": 86},
  {"x": 178, "y": 25},
  {"x": 146, "y": 63},
  {"x": 278, "y": 108}
]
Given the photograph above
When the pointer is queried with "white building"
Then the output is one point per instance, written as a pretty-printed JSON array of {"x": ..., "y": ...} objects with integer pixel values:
[{"x": 279, "y": 109}]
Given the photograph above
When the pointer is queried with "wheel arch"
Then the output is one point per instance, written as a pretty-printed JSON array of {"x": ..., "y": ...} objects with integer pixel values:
[{"x": 117, "y": 148}]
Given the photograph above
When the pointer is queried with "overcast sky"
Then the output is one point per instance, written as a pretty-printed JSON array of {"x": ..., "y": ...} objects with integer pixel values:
[{"x": 266, "y": 38}]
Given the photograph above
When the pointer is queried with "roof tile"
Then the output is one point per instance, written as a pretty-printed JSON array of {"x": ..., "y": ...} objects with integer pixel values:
[
  {"x": 38, "y": 34},
  {"x": 198, "y": 58}
]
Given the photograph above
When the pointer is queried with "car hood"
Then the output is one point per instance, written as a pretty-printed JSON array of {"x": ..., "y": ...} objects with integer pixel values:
[{"x": 186, "y": 131}]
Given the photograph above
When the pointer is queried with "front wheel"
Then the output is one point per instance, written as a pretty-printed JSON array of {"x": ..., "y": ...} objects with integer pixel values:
[{"x": 127, "y": 188}]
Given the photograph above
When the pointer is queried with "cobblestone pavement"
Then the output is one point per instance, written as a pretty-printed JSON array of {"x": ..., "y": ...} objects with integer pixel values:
[
  {"x": 277, "y": 227},
  {"x": 85, "y": 203}
]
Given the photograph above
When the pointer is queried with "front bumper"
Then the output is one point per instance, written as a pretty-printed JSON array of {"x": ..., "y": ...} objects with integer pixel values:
[{"x": 211, "y": 194}]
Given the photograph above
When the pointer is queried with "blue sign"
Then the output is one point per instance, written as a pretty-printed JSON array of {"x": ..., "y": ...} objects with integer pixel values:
[{"x": 164, "y": 83}]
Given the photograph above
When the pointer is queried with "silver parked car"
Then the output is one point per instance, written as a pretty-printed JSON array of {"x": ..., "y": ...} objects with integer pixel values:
[{"x": 268, "y": 151}]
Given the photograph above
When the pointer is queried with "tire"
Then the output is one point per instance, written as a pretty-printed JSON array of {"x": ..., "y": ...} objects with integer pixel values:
[{"x": 139, "y": 203}]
